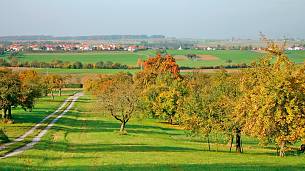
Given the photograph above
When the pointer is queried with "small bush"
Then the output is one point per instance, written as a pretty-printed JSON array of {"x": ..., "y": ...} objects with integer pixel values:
[{"x": 3, "y": 137}]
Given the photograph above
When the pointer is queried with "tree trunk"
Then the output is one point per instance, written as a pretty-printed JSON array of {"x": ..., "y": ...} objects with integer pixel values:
[
  {"x": 122, "y": 129},
  {"x": 60, "y": 92},
  {"x": 231, "y": 142},
  {"x": 209, "y": 143},
  {"x": 4, "y": 113},
  {"x": 238, "y": 140},
  {"x": 282, "y": 148},
  {"x": 9, "y": 115},
  {"x": 52, "y": 94},
  {"x": 170, "y": 120}
]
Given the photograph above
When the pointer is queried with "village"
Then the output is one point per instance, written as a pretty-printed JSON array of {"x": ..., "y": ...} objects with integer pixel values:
[
  {"x": 87, "y": 47},
  {"x": 69, "y": 47}
]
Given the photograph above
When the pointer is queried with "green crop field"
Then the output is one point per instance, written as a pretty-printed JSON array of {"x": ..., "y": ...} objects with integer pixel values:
[
  {"x": 221, "y": 57},
  {"x": 127, "y": 58},
  {"x": 86, "y": 140}
]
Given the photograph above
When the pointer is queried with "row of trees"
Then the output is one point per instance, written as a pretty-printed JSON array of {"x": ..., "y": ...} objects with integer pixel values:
[
  {"x": 14, "y": 62},
  {"x": 23, "y": 88},
  {"x": 265, "y": 101}
]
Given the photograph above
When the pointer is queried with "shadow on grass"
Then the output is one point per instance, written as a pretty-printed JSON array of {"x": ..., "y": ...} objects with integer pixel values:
[
  {"x": 70, "y": 124},
  {"x": 31, "y": 117},
  {"x": 100, "y": 147},
  {"x": 154, "y": 167}
]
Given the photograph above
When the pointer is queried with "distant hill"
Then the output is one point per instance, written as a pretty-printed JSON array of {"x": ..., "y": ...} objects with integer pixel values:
[{"x": 64, "y": 38}]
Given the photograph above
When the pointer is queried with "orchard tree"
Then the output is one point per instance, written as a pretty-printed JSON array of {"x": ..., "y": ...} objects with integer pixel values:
[
  {"x": 55, "y": 82},
  {"x": 155, "y": 66},
  {"x": 18, "y": 89},
  {"x": 207, "y": 107},
  {"x": 119, "y": 96},
  {"x": 30, "y": 88},
  {"x": 195, "y": 116},
  {"x": 166, "y": 96},
  {"x": 161, "y": 86},
  {"x": 9, "y": 92},
  {"x": 273, "y": 104}
]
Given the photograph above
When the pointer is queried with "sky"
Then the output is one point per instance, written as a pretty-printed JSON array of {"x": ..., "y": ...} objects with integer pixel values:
[{"x": 207, "y": 19}]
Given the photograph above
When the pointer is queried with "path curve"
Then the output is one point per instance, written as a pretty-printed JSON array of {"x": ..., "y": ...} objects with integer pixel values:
[{"x": 37, "y": 138}]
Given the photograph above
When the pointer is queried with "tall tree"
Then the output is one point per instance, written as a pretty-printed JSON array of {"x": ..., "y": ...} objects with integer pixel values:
[
  {"x": 209, "y": 103},
  {"x": 168, "y": 97},
  {"x": 9, "y": 92},
  {"x": 30, "y": 88},
  {"x": 272, "y": 107},
  {"x": 160, "y": 82},
  {"x": 155, "y": 66}
]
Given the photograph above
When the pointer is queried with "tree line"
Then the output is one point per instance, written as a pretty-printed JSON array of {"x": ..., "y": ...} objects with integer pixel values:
[
  {"x": 265, "y": 101},
  {"x": 14, "y": 62}
]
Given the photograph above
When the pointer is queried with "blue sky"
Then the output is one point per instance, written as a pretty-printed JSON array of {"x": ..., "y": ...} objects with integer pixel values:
[{"x": 178, "y": 18}]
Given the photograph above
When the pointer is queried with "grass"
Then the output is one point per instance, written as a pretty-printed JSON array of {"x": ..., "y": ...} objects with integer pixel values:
[
  {"x": 129, "y": 58},
  {"x": 29, "y": 138},
  {"x": 24, "y": 120},
  {"x": 236, "y": 56},
  {"x": 87, "y": 140}
]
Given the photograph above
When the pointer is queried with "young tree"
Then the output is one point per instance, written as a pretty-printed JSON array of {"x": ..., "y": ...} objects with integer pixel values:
[
  {"x": 53, "y": 82},
  {"x": 119, "y": 96}
]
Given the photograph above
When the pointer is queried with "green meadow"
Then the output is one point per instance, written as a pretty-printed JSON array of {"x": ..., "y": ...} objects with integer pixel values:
[
  {"x": 87, "y": 140},
  {"x": 129, "y": 58}
]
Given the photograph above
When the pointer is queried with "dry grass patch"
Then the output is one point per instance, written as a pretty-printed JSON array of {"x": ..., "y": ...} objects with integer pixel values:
[
  {"x": 180, "y": 57},
  {"x": 207, "y": 58}
]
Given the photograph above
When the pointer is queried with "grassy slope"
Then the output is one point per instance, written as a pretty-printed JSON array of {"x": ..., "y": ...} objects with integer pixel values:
[{"x": 83, "y": 140}]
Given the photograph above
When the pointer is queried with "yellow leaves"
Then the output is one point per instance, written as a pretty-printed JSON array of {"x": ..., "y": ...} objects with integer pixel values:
[{"x": 273, "y": 101}]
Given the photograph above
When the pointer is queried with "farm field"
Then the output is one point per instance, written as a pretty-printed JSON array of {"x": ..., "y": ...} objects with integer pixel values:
[
  {"x": 208, "y": 58},
  {"x": 83, "y": 140},
  {"x": 127, "y": 58}
]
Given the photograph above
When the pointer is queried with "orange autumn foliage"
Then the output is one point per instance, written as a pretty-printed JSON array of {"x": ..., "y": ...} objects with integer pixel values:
[{"x": 162, "y": 64}]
